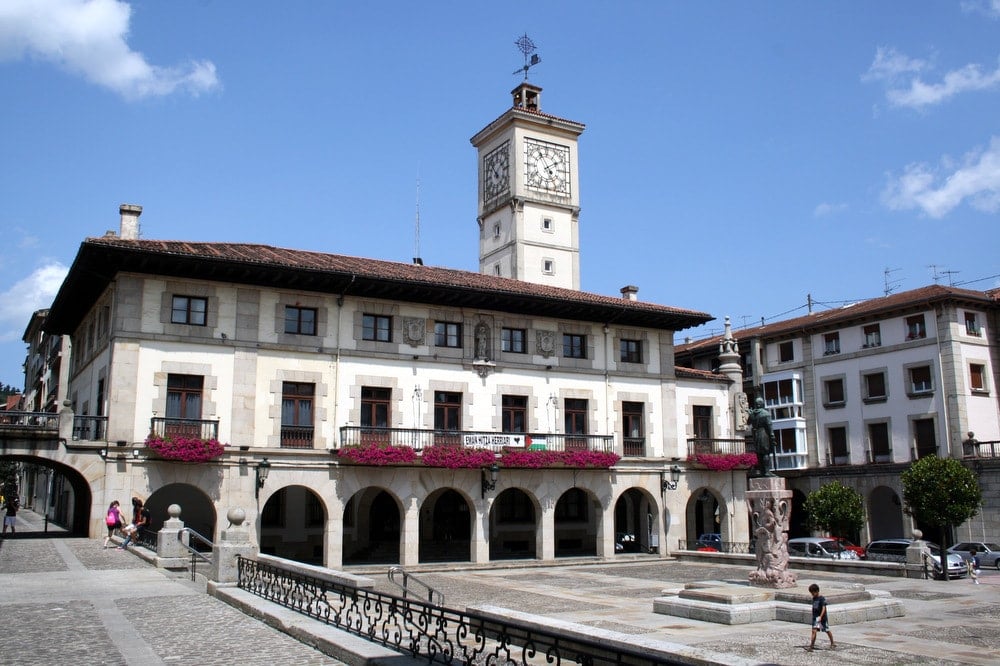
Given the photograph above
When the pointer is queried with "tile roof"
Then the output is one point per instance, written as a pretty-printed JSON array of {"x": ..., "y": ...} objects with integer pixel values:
[
  {"x": 838, "y": 317},
  {"x": 245, "y": 263}
]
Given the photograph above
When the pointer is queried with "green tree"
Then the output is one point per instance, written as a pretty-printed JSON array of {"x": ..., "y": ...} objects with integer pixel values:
[
  {"x": 942, "y": 493},
  {"x": 835, "y": 509}
]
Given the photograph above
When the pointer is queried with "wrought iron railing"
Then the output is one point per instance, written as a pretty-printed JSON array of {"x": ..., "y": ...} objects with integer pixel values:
[
  {"x": 146, "y": 538},
  {"x": 196, "y": 554},
  {"x": 90, "y": 428},
  {"x": 422, "y": 439},
  {"x": 634, "y": 446},
  {"x": 167, "y": 427},
  {"x": 987, "y": 449},
  {"x": 297, "y": 437},
  {"x": 727, "y": 446},
  {"x": 33, "y": 420},
  {"x": 436, "y": 633}
]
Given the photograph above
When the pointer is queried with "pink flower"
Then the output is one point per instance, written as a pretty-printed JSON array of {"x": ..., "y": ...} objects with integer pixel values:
[
  {"x": 723, "y": 462},
  {"x": 456, "y": 457},
  {"x": 377, "y": 454},
  {"x": 186, "y": 449}
]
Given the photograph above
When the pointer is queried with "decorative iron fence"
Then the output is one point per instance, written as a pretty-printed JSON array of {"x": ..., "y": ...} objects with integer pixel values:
[
  {"x": 35, "y": 420},
  {"x": 439, "y": 634},
  {"x": 422, "y": 439},
  {"x": 738, "y": 547},
  {"x": 718, "y": 446},
  {"x": 166, "y": 427},
  {"x": 90, "y": 428}
]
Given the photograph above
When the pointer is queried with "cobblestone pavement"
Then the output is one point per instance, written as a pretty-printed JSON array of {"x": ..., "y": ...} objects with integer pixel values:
[{"x": 69, "y": 601}]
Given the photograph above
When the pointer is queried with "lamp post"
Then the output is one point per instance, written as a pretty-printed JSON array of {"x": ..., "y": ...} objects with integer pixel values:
[
  {"x": 262, "y": 470},
  {"x": 671, "y": 483},
  {"x": 490, "y": 481}
]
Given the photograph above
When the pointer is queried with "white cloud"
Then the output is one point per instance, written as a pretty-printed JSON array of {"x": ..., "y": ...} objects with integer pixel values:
[
  {"x": 891, "y": 65},
  {"x": 34, "y": 292},
  {"x": 990, "y": 8},
  {"x": 824, "y": 209},
  {"x": 938, "y": 191},
  {"x": 967, "y": 79},
  {"x": 87, "y": 37}
]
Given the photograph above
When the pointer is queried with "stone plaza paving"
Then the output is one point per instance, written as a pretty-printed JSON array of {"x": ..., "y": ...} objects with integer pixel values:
[{"x": 69, "y": 601}]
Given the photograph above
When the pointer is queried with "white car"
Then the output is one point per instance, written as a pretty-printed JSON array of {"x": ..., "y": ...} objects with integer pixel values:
[{"x": 819, "y": 547}]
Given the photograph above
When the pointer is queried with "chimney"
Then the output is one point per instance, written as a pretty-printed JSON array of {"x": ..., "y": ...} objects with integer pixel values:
[
  {"x": 130, "y": 221},
  {"x": 630, "y": 292}
]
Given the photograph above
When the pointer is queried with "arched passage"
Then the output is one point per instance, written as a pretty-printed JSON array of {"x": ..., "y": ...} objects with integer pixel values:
[
  {"x": 197, "y": 510},
  {"x": 513, "y": 526},
  {"x": 885, "y": 514},
  {"x": 576, "y": 521},
  {"x": 293, "y": 525},
  {"x": 703, "y": 516},
  {"x": 65, "y": 495},
  {"x": 445, "y": 527},
  {"x": 798, "y": 523},
  {"x": 372, "y": 519},
  {"x": 635, "y": 522}
]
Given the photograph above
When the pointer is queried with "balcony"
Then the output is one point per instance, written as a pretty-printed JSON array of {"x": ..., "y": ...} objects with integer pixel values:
[
  {"x": 717, "y": 446},
  {"x": 90, "y": 428},
  {"x": 297, "y": 437},
  {"x": 171, "y": 428},
  {"x": 30, "y": 420},
  {"x": 421, "y": 439},
  {"x": 634, "y": 446}
]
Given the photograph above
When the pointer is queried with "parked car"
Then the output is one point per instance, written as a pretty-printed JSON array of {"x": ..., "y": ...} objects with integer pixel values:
[
  {"x": 849, "y": 545},
  {"x": 626, "y": 543},
  {"x": 894, "y": 550},
  {"x": 819, "y": 547},
  {"x": 988, "y": 552},
  {"x": 709, "y": 541}
]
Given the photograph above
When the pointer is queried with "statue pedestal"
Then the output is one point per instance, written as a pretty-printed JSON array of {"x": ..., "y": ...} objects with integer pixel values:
[{"x": 770, "y": 506}]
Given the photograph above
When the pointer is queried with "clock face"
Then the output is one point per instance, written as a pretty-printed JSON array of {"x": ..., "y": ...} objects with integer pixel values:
[
  {"x": 496, "y": 172},
  {"x": 546, "y": 166}
]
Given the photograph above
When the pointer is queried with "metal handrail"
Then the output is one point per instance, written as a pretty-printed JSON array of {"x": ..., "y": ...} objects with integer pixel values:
[
  {"x": 433, "y": 596},
  {"x": 195, "y": 553}
]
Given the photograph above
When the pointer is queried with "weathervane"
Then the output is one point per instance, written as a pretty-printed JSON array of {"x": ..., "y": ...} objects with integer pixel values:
[{"x": 527, "y": 47}]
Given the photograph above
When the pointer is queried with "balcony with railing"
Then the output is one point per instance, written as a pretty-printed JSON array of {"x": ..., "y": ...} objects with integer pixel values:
[
  {"x": 29, "y": 420},
  {"x": 90, "y": 428},
  {"x": 718, "y": 446},
  {"x": 166, "y": 427},
  {"x": 297, "y": 437},
  {"x": 633, "y": 447},
  {"x": 419, "y": 439}
]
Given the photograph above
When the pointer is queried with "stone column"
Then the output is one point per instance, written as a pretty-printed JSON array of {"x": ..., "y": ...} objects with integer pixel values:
[
  {"x": 771, "y": 507},
  {"x": 171, "y": 551},
  {"x": 410, "y": 534},
  {"x": 233, "y": 541}
]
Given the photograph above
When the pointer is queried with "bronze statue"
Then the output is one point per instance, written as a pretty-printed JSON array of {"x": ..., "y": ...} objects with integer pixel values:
[{"x": 762, "y": 436}]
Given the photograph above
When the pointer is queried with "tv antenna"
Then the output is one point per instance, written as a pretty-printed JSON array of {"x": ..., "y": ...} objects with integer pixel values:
[
  {"x": 890, "y": 286},
  {"x": 951, "y": 280},
  {"x": 527, "y": 47},
  {"x": 417, "y": 259}
]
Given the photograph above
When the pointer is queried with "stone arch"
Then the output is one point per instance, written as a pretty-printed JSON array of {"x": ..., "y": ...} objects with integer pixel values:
[
  {"x": 636, "y": 527},
  {"x": 373, "y": 520},
  {"x": 885, "y": 514},
  {"x": 576, "y": 525},
  {"x": 73, "y": 503},
  {"x": 446, "y": 520},
  {"x": 197, "y": 510},
  {"x": 513, "y": 525},
  {"x": 703, "y": 515},
  {"x": 293, "y": 525}
]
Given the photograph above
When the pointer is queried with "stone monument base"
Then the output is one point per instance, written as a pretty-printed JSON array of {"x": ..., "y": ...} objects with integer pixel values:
[{"x": 734, "y": 603}]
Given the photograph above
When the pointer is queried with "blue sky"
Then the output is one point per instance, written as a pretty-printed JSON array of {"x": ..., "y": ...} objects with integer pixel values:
[{"x": 737, "y": 157}]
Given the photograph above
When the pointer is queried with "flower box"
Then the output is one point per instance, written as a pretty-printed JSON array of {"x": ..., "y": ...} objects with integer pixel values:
[{"x": 185, "y": 449}]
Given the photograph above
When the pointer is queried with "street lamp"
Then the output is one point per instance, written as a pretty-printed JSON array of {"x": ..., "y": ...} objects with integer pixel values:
[
  {"x": 671, "y": 483},
  {"x": 490, "y": 482},
  {"x": 262, "y": 470}
]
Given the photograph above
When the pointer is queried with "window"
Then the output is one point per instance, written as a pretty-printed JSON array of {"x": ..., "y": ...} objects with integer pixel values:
[
  {"x": 376, "y": 327},
  {"x": 873, "y": 336},
  {"x": 839, "y": 453},
  {"x": 447, "y": 334},
  {"x": 633, "y": 435},
  {"x": 702, "y": 422},
  {"x": 874, "y": 385},
  {"x": 971, "y": 325},
  {"x": 977, "y": 378},
  {"x": 548, "y": 266},
  {"x": 183, "y": 405},
  {"x": 915, "y": 327},
  {"x": 631, "y": 351},
  {"x": 375, "y": 407},
  {"x": 447, "y": 410},
  {"x": 833, "y": 392},
  {"x": 188, "y": 310},
  {"x": 920, "y": 379},
  {"x": 575, "y": 415},
  {"x": 496, "y": 270},
  {"x": 831, "y": 344},
  {"x": 923, "y": 436},
  {"x": 512, "y": 340},
  {"x": 496, "y": 230},
  {"x": 547, "y": 224},
  {"x": 878, "y": 440},
  {"x": 514, "y": 413},
  {"x": 574, "y": 345},
  {"x": 300, "y": 321},
  {"x": 786, "y": 352},
  {"x": 297, "y": 415}
]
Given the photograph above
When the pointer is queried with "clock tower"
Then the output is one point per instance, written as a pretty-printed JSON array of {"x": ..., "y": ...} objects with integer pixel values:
[{"x": 529, "y": 194}]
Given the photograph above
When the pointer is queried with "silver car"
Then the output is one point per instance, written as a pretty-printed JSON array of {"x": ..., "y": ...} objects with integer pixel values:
[
  {"x": 988, "y": 552},
  {"x": 819, "y": 547}
]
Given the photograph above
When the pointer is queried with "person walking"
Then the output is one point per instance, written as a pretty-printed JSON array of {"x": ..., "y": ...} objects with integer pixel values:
[
  {"x": 114, "y": 521},
  {"x": 12, "y": 504},
  {"x": 974, "y": 565},
  {"x": 140, "y": 520},
  {"x": 820, "y": 621}
]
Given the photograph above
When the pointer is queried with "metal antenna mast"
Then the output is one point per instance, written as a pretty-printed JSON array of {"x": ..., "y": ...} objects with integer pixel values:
[
  {"x": 527, "y": 47},
  {"x": 416, "y": 231},
  {"x": 889, "y": 286}
]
